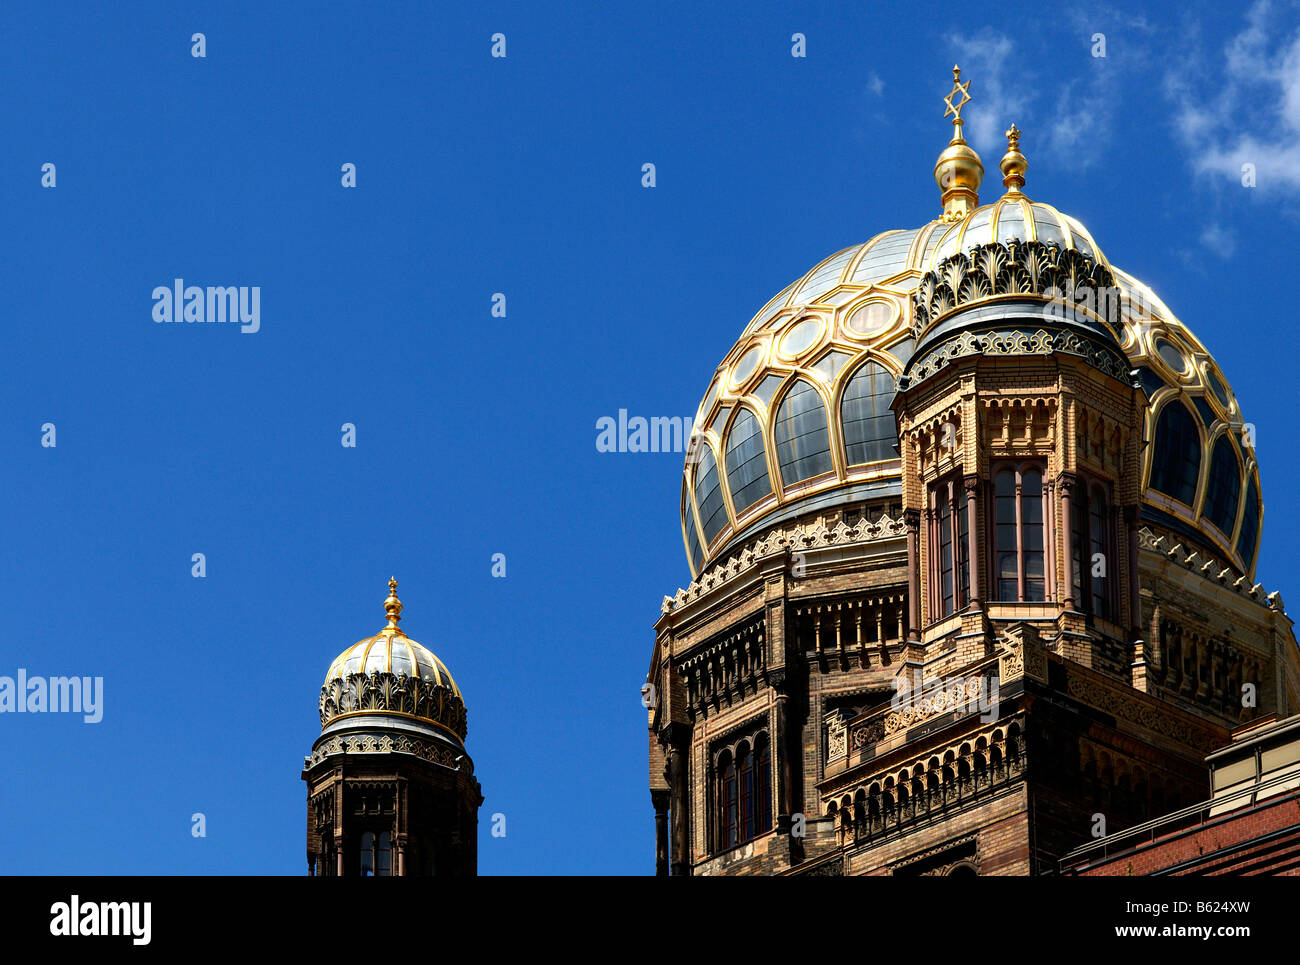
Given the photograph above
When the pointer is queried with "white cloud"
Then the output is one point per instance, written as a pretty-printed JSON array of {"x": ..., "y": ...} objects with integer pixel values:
[
  {"x": 1253, "y": 115},
  {"x": 875, "y": 84},
  {"x": 1222, "y": 241}
]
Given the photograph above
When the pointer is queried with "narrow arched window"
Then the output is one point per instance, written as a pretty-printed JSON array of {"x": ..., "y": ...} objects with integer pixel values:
[
  {"x": 763, "y": 775},
  {"x": 383, "y": 855},
  {"x": 949, "y": 546},
  {"x": 727, "y": 803},
  {"x": 747, "y": 804},
  {"x": 367, "y": 855},
  {"x": 746, "y": 462},
  {"x": 708, "y": 495},
  {"x": 803, "y": 446},
  {"x": 1092, "y": 551},
  {"x": 1018, "y": 534},
  {"x": 1176, "y": 462},
  {"x": 869, "y": 430},
  {"x": 1224, "y": 490}
]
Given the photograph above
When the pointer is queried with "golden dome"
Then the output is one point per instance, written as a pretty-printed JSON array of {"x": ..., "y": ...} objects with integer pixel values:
[
  {"x": 390, "y": 674},
  {"x": 797, "y": 416}
]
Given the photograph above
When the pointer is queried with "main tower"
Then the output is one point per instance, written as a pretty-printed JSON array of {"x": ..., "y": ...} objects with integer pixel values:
[
  {"x": 390, "y": 787},
  {"x": 973, "y": 521}
]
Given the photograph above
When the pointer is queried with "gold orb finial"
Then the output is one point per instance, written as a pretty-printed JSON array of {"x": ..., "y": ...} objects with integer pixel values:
[
  {"x": 393, "y": 606},
  {"x": 959, "y": 170},
  {"x": 1013, "y": 163}
]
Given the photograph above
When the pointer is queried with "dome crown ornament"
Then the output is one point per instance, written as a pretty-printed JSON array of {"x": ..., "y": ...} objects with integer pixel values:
[
  {"x": 393, "y": 606},
  {"x": 959, "y": 170},
  {"x": 1013, "y": 163}
]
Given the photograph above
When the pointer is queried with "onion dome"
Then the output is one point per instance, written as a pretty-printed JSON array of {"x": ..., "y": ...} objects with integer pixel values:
[
  {"x": 390, "y": 681},
  {"x": 797, "y": 418}
]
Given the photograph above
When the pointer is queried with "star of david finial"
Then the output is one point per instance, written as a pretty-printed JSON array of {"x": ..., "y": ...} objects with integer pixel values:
[{"x": 958, "y": 88}]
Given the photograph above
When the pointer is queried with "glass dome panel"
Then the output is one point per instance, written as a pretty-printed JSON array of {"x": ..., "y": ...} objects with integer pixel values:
[
  {"x": 708, "y": 496},
  {"x": 800, "y": 338},
  {"x": 802, "y": 440},
  {"x": 1176, "y": 463},
  {"x": 746, "y": 462},
  {"x": 1249, "y": 525},
  {"x": 870, "y": 433},
  {"x": 1011, "y": 223},
  {"x": 872, "y": 317},
  {"x": 1048, "y": 227},
  {"x": 745, "y": 366},
  {"x": 1171, "y": 356},
  {"x": 1224, "y": 487}
]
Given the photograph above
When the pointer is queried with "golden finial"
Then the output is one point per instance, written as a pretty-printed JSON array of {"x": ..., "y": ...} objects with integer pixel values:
[
  {"x": 955, "y": 109},
  {"x": 393, "y": 606},
  {"x": 959, "y": 170},
  {"x": 1013, "y": 163}
]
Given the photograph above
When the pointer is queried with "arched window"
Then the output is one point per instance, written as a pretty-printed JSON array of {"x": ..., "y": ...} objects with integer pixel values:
[
  {"x": 367, "y": 855},
  {"x": 727, "y": 804},
  {"x": 763, "y": 780},
  {"x": 1093, "y": 550},
  {"x": 383, "y": 856},
  {"x": 1018, "y": 515},
  {"x": 803, "y": 446},
  {"x": 746, "y": 462},
  {"x": 1249, "y": 524},
  {"x": 869, "y": 430},
  {"x": 1224, "y": 486},
  {"x": 708, "y": 495},
  {"x": 949, "y": 546},
  {"x": 1176, "y": 463},
  {"x": 745, "y": 755},
  {"x": 744, "y": 792}
]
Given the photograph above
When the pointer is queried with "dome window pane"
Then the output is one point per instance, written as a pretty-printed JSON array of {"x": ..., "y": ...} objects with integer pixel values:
[
  {"x": 1176, "y": 463},
  {"x": 1225, "y": 487},
  {"x": 800, "y": 338},
  {"x": 1171, "y": 356},
  {"x": 1249, "y": 526},
  {"x": 746, "y": 462},
  {"x": 873, "y": 317},
  {"x": 708, "y": 496},
  {"x": 802, "y": 441},
  {"x": 870, "y": 433}
]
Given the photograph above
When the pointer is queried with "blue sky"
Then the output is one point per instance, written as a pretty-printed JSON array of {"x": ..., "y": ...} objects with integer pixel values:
[{"x": 475, "y": 434}]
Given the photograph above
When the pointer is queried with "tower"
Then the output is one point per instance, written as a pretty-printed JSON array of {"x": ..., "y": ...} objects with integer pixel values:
[
  {"x": 972, "y": 520},
  {"x": 390, "y": 787}
]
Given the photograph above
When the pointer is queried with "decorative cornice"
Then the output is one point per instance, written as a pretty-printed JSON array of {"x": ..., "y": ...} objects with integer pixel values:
[
  {"x": 1016, "y": 342},
  {"x": 1024, "y": 269},
  {"x": 395, "y": 694},
  {"x": 1209, "y": 568},
  {"x": 378, "y": 743},
  {"x": 778, "y": 541}
]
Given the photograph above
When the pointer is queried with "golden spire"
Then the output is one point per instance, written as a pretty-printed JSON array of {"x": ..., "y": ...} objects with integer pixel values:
[
  {"x": 1013, "y": 163},
  {"x": 959, "y": 170},
  {"x": 393, "y": 606}
]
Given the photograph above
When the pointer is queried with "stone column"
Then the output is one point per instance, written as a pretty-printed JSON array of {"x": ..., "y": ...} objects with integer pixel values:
[
  {"x": 972, "y": 484},
  {"x": 660, "y": 801},
  {"x": 1065, "y": 485},
  {"x": 679, "y": 739},
  {"x": 1134, "y": 582}
]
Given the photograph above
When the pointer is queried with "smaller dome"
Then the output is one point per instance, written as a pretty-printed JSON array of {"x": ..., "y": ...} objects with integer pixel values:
[
  {"x": 391, "y": 652},
  {"x": 1015, "y": 218},
  {"x": 392, "y": 675}
]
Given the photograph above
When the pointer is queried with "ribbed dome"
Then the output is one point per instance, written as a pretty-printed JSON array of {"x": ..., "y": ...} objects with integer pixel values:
[
  {"x": 391, "y": 677},
  {"x": 797, "y": 416},
  {"x": 391, "y": 652}
]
